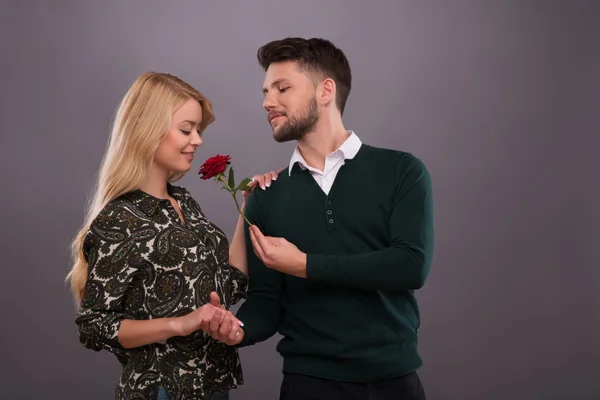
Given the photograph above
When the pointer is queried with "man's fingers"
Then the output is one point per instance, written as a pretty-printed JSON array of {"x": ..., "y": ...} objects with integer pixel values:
[
  {"x": 255, "y": 245},
  {"x": 225, "y": 326},
  {"x": 235, "y": 331},
  {"x": 261, "y": 248},
  {"x": 274, "y": 241},
  {"x": 215, "y": 322},
  {"x": 260, "y": 239}
]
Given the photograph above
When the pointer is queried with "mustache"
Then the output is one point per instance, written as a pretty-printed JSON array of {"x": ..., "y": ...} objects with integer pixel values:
[{"x": 274, "y": 114}]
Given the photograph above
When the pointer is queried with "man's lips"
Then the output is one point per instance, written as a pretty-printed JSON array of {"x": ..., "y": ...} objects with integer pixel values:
[{"x": 274, "y": 115}]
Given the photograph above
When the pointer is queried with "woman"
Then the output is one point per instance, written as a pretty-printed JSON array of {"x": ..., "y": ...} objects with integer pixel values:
[{"x": 147, "y": 262}]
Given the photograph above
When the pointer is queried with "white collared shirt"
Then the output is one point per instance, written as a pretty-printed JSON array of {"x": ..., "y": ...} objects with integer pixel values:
[{"x": 333, "y": 162}]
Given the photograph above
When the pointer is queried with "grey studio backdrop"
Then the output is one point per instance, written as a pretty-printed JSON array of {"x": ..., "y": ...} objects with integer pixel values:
[{"x": 499, "y": 98}]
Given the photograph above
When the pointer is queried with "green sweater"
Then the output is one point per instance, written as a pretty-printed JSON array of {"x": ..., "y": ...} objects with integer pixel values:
[{"x": 369, "y": 245}]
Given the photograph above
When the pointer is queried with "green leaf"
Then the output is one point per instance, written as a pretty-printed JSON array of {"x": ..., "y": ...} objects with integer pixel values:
[
  {"x": 243, "y": 184},
  {"x": 231, "y": 181}
]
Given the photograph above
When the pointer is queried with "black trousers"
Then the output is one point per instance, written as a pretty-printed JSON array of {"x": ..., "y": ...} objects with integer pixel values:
[{"x": 302, "y": 387}]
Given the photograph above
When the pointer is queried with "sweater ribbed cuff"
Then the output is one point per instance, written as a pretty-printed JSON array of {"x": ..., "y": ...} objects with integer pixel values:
[{"x": 316, "y": 266}]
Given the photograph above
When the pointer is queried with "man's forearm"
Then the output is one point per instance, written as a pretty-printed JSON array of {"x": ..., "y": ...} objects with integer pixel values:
[
  {"x": 261, "y": 320},
  {"x": 389, "y": 269}
]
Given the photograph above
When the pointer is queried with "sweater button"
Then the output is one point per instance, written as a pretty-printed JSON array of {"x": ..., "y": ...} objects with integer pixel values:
[
  {"x": 331, "y": 221},
  {"x": 328, "y": 212}
]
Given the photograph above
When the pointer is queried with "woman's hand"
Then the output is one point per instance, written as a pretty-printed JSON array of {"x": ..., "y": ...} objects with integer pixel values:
[
  {"x": 196, "y": 320},
  {"x": 202, "y": 317},
  {"x": 261, "y": 180},
  {"x": 135, "y": 333}
]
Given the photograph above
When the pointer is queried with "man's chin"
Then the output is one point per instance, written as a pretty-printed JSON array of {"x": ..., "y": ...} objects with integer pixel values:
[
  {"x": 284, "y": 139},
  {"x": 281, "y": 138}
]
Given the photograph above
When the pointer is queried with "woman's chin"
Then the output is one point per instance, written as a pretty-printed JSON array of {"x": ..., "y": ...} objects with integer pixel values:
[{"x": 181, "y": 169}]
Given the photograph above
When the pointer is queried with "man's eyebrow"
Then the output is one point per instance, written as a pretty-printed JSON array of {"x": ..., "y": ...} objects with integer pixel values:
[{"x": 275, "y": 83}]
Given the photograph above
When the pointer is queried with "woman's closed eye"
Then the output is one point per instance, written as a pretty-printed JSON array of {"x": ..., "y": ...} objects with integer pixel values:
[{"x": 188, "y": 132}]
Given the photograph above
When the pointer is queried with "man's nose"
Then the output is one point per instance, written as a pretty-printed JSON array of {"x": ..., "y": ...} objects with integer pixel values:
[{"x": 269, "y": 102}]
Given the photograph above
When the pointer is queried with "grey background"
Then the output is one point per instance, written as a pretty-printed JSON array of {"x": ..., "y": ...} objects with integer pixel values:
[{"x": 499, "y": 98}]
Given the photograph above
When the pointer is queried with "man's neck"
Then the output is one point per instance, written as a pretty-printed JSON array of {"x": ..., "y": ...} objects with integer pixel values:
[
  {"x": 322, "y": 141},
  {"x": 156, "y": 183}
]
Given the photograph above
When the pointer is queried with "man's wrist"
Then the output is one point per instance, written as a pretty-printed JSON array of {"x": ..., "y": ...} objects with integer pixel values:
[{"x": 301, "y": 265}]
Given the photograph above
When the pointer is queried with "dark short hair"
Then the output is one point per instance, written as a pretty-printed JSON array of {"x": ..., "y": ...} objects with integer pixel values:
[{"x": 316, "y": 56}]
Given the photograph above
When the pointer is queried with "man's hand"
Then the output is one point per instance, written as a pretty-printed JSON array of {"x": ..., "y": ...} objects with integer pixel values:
[
  {"x": 224, "y": 327},
  {"x": 278, "y": 253}
]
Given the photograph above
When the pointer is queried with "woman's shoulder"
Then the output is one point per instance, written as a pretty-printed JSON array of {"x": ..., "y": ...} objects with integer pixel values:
[
  {"x": 124, "y": 203},
  {"x": 109, "y": 226},
  {"x": 119, "y": 214}
]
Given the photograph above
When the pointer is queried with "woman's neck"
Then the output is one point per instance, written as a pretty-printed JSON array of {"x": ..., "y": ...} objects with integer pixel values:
[{"x": 156, "y": 183}]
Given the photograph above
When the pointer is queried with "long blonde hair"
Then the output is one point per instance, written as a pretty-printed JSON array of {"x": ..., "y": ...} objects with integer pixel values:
[{"x": 142, "y": 120}]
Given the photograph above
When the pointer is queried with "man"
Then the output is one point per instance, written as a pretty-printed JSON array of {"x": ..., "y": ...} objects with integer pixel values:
[{"x": 338, "y": 245}]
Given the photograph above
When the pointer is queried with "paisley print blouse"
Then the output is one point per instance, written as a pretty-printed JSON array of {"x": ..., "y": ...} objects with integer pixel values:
[{"x": 145, "y": 263}]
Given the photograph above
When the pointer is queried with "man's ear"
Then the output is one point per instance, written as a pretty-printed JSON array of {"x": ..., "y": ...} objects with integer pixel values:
[{"x": 327, "y": 92}]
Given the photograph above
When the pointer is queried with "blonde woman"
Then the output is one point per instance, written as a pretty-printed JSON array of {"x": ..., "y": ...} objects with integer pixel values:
[{"x": 147, "y": 261}]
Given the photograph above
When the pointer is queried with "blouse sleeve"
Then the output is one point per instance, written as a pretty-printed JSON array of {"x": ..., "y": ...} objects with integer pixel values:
[
  {"x": 235, "y": 284},
  {"x": 110, "y": 250}
]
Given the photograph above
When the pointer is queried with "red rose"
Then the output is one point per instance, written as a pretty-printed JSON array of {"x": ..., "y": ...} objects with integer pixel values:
[{"x": 214, "y": 166}]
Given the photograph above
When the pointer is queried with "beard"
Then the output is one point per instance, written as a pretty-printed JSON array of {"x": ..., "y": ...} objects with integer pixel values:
[{"x": 298, "y": 126}]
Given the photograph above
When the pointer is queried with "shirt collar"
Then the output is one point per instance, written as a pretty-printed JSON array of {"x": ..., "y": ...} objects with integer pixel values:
[
  {"x": 349, "y": 148},
  {"x": 150, "y": 204}
]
